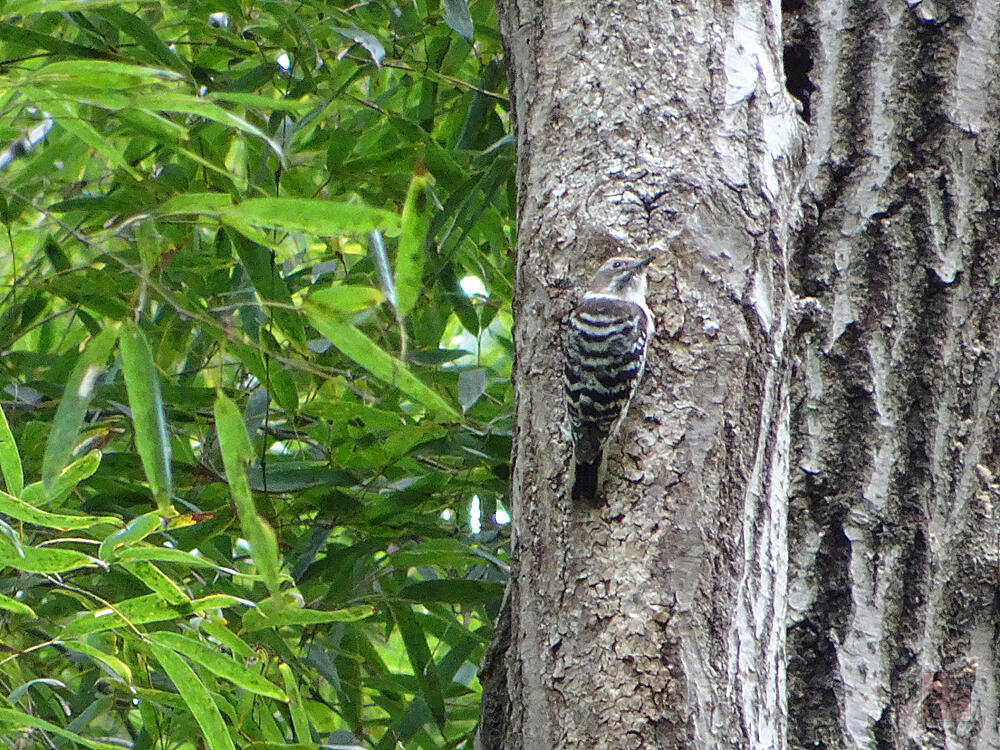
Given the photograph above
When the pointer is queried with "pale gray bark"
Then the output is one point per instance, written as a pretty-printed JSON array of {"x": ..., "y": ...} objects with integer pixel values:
[
  {"x": 893, "y": 635},
  {"x": 659, "y": 620}
]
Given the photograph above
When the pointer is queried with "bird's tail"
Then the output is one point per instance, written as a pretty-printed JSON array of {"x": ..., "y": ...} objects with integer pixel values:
[{"x": 586, "y": 481}]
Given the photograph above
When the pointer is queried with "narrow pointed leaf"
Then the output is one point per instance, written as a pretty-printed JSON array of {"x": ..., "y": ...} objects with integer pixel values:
[
  {"x": 416, "y": 220},
  {"x": 42, "y": 559},
  {"x": 157, "y": 581},
  {"x": 219, "y": 664},
  {"x": 10, "y": 459},
  {"x": 13, "y": 605},
  {"x": 256, "y": 621},
  {"x": 300, "y": 720},
  {"x": 19, "y": 720},
  {"x": 354, "y": 344},
  {"x": 143, "y": 385},
  {"x": 142, "y": 610},
  {"x": 420, "y": 658},
  {"x": 67, "y": 115},
  {"x": 318, "y": 217},
  {"x": 137, "y": 529},
  {"x": 345, "y": 299},
  {"x": 22, "y": 511},
  {"x": 65, "y": 430},
  {"x": 197, "y": 698},
  {"x": 237, "y": 452}
]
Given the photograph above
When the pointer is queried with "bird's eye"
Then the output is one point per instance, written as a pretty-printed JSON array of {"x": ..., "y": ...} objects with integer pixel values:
[{"x": 617, "y": 264}]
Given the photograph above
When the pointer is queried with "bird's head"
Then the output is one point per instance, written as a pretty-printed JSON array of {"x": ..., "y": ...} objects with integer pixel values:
[{"x": 622, "y": 277}]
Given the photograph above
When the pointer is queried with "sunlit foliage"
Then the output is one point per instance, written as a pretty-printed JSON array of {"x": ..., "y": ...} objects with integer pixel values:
[{"x": 256, "y": 268}]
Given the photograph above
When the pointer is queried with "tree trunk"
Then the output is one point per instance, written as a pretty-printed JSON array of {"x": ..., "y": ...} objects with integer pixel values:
[
  {"x": 657, "y": 621},
  {"x": 893, "y": 627}
]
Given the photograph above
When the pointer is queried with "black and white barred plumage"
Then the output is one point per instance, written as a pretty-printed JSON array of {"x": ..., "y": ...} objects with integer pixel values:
[{"x": 605, "y": 355}]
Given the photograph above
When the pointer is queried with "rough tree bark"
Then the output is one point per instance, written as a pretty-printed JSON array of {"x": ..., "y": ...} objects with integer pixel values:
[
  {"x": 659, "y": 620},
  {"x": 839, "y": 305},
  {"x": 893, "y": 535}
]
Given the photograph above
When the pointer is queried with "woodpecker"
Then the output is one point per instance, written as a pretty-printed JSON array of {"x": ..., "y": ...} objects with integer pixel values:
[{"x": 605, "y": 355}]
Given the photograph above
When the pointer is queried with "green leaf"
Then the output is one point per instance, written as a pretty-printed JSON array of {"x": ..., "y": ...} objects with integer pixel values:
[
  {"x": 354, "y": 344},
  {"x": 138, "y": 528},
  {"x": 195, "y": 203},
  {"x": 143, "y": 385},
  {"x": 142, "y": 610},
  {"x": 218, "y": 631},
  {"x": 237, "y": 452},
  {"x": 197, "y": 699},
  {"x": 369, "y": 41},
  {"x": 139, "y": 30},
  {"x": 255, "y": 621},
  {"x": 103, "y": 74},
  {"x": 66, "y": 424},
  {"x": 157, "y": 581},
  {"x": 67, "y": 115},
  {"x": 300, "y": 720},
  {"x": 10, "y": 459},
  {"x": 64, "y": 481},
  {"x": 317, "y": 217},
  {"x": 19, "y": 721},
  {"x": 456, "y": 15},
  {"x": 199, "y": 107},
  {"x": 168, "y": 555},
  {"x": 43, "y": 559},
  {"x": 13, "y": 605},
  {"x": 415, "y": 222},
  {"x": 420, "y": 658},
  {"x": 116, "y": 665},
  {"x": 218, "y": 664},
  {"x": 11, "y": 506},
  {"x": 26, "y": 7},
  {"x": 264, "y": 274},
  {"x": 345, "y": 299}
]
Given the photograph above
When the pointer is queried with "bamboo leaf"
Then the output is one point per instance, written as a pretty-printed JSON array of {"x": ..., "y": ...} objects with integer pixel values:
[
  {"x": 19, "y": 721},
  {"x": 13, "y": 605},
  {"x": 345, "y": 299},
  {"x": 237, "y": 452},
  {"x": 67, "y": 115},
  {"x": 317, "y": 217},
  {"x": 10, "y": 459},
  {"x": 143, "y": 385},
  {"x": 300, "y": 720},
  {"x": 43, "y": 559},
  {"x": 139, "y": 30},
  {"x": 11, "y": 506},
  {"x": 116, "y": 665},
  {"x": 256, "y": 621},
  {"x": 156, "y": 580},
  {"x": 66, "y": 424},
  {"x": 168, "y": 555},
  {"x": 410, "y": 256},
  {"x": 218, "y": 664},
  {"x": 25, "y": 7},
  {"x": 354, "y": 344},
  {"x": 142, "y": 610},
  {"x": 197, "y": 699},
  {"x": 420, "y": 659},
  {"x": 138, "y": 528}
]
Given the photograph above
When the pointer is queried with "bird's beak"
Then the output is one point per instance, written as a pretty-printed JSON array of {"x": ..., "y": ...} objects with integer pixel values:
[{"x": 641, "y": 264}]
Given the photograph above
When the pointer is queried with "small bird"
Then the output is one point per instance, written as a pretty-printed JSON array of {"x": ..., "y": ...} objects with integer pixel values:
[{"x": 605, "y": 355}]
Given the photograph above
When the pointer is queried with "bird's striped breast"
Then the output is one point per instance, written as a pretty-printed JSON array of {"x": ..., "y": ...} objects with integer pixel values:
[{"x": 604, "y": 357}]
